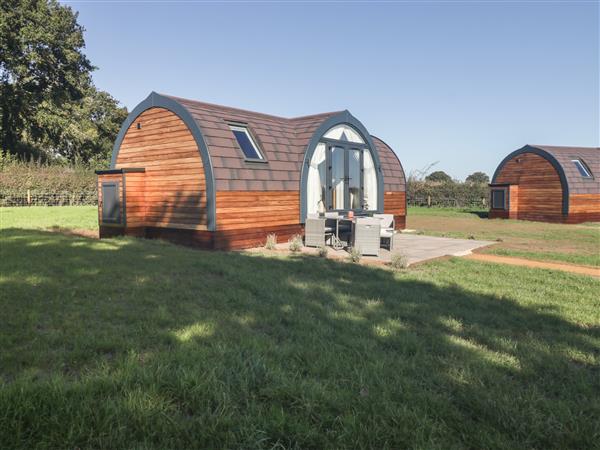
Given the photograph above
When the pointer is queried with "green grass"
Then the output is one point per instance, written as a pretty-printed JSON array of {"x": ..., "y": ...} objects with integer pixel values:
[
  {"x": 446, "y": 211},
  {"x": 42, "y": 217},
  {"x": 128, "y": 343},
  {"x": 572, "y": 258},
  {"x": 575, "y": 244}
]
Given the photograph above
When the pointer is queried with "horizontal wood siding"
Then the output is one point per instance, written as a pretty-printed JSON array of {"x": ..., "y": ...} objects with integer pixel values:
[
  {"x": 256, "y": 209},
  {"x": 394, "y": 202},
  {"x": 540, "y": 194},
  {"x": 135, "y": 204},
  {"x": 173, "y": 191},
  {"x": 584, "y": 208},
  {"x": 110, "y": 177}
]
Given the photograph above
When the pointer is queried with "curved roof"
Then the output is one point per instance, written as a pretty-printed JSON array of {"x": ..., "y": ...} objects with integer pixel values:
[
  {"x": 283, "y": 141},
  {"x": 562, "y": 160}
]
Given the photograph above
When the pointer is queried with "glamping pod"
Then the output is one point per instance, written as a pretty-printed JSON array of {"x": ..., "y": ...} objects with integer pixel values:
[
  {"x": 550, "y": 184},
  {"x": 224, "y": 178}
]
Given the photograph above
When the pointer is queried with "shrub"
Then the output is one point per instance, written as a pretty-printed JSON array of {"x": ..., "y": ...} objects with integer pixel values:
[
  {"x": 323, "y": 250},
  {"x": 295, "y": 243},
  {"x": 399, "y": 261},
  {"x": 354, "y": 255},
  {"x": 271, "y": 241}
]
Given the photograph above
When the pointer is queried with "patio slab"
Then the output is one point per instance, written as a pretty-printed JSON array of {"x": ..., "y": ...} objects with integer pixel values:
[{"x": 416, "y": 248}]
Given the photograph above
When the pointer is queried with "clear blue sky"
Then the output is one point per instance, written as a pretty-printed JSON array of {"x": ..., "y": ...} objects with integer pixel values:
[{"x": 455, "y": 82}]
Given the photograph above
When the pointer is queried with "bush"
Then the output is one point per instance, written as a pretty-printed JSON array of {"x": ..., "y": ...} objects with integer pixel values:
[
  {"x": 18, "y": 175},
  {"x": 323, "y": 250},
  {"x": 295, "y": 243},
  {"x": 399, "y": 261},
  {"x": 354, "y": 255},
  {"x": 271, "y": 241}
]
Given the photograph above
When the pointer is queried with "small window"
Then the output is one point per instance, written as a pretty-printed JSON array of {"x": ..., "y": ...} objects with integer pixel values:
[
  {"x": 111, "y": 203},
  {"x": 583, "y": 169},
  {"x": 498, "y": 199},
  {"x": 246, "y": 143}
]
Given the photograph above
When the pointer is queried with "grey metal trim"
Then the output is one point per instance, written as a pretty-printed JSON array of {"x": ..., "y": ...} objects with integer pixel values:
[
  {"x": 403, "y": 173},
  {"x": 551, "y": 159},
  {"x": 155, "y": 100},
  {"x": 342, "y": 118}
]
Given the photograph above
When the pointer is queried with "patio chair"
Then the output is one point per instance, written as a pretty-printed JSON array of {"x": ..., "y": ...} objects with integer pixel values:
[
  {"x": 367, "y": 236},
  {"x": 387, "y": 228},
  {"x": 316, "y": 232}
]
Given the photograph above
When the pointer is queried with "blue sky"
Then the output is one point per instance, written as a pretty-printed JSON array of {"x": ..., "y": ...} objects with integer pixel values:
[{"x": 462, "y": 83}]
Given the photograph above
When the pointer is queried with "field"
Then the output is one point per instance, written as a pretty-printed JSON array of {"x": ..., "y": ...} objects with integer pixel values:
[
  {"x": 126, "y": 343},
  {"x": 574, "y": 244}
]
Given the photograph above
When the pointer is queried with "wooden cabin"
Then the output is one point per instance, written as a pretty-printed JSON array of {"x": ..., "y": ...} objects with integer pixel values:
[
  {"x": 550, "y": 184},
  {"x": 224, "y": 178}
]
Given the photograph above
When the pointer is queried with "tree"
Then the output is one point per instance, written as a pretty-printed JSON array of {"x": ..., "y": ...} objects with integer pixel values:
[
  {"x": 439, "y": 176},
  {"x": 47, "y": 99},
  {"x": 478, "y": 178}
]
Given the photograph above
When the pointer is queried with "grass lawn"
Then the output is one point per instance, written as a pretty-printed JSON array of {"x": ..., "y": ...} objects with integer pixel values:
[
  {"x": 576, "y": 244},
  {"x": 45, "y": 217},
  {"x": 127, "y": 343}
]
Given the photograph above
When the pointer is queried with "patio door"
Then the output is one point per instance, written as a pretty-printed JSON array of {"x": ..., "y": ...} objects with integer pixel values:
[{"x": 345, "y": 177}]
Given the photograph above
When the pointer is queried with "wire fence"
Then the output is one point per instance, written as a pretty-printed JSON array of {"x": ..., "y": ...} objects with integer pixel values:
[
  {"x": 448, "y": 202},
  {"x": 33, "y": 198}
]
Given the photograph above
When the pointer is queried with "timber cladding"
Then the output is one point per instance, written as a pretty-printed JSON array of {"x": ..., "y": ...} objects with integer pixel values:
[
  {"x": 545, "y": 184},
  {"x": 395, "y": 203},
  {"x": 540, "y": 194},
  {"x": 185, "y": 177},
  {"x": 173, "y": 190}
]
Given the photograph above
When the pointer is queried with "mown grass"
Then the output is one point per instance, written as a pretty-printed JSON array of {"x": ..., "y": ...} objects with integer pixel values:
[
  {"x": 43, "y": 217},
  {"x": 575, "y": 244},
  {"x": 128, "y": 343}
]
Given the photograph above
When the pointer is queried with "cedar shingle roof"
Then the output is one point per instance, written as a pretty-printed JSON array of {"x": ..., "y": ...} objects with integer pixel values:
[
  {"x": 283, "y": 141},
  {"x": 565, "y": 156}
]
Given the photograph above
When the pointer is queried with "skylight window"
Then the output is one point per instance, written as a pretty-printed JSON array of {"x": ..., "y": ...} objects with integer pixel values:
[
  {"x": 246, "y": 143},
  {"x": 583, "y": 170}
]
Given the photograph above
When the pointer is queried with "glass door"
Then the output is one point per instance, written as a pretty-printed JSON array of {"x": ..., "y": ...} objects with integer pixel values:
[{"x": 346, "y": 178}]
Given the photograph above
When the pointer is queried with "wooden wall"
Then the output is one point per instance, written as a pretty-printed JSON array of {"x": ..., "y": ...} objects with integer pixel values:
[
  {"x": 245, "y": 218},
  {"x": 539, "y": 195},
  {"x": 174, "y": 187},
  {"x": 584, "y": 208},
  {"x": 395, "y": 203}
]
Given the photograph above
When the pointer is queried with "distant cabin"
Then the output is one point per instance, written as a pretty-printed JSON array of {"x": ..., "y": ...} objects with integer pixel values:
[
  {"x": 550, "y": 184},
  {"x": 224, "y": 178}
]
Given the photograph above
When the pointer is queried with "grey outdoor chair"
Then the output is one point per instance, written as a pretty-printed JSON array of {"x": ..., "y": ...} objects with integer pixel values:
[
  {"x": 367, "y": 236},
  {"x": 387, "y": 228},
  {"x": 316, "y": 232}
]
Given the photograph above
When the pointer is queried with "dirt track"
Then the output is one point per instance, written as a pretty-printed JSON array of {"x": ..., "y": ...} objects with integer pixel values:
[{"x": 582, "y": 270}]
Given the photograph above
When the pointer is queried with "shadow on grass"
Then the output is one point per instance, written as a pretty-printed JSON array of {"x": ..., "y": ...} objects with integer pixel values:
[
  {"x": 479, "y": 213},
  {"x": 124, "y": 343}
]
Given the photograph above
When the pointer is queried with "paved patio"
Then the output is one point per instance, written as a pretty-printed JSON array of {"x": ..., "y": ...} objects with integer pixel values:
[{"x": 416, "y": 248}]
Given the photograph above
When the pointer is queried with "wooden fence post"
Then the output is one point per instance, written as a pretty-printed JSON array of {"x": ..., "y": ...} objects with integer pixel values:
[
  {"x": 28, "y": 197},
  {"x": 429, "y": 201}
]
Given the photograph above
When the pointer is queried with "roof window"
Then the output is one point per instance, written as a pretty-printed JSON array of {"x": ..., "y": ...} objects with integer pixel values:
[
  {"x": 584, "y": 171},
  {"x": 246, "y": 143}
]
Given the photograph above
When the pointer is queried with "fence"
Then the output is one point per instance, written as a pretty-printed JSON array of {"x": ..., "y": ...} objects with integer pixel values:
[
  {"x": 33, "y": 198},
  {"x": 448, "y": 202}
]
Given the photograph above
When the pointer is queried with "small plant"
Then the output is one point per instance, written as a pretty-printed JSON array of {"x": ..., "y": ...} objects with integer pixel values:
[
  {"x": 354, "y": 255},
  {"x": 399, "y": 261},
  {"x": 271, "y": 241},
  {"x": 295, "y": 243},
  {"x": 323, "y": 250}
]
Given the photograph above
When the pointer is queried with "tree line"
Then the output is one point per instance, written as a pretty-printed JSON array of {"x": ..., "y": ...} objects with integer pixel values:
[{"x": 49, "y": 106}]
